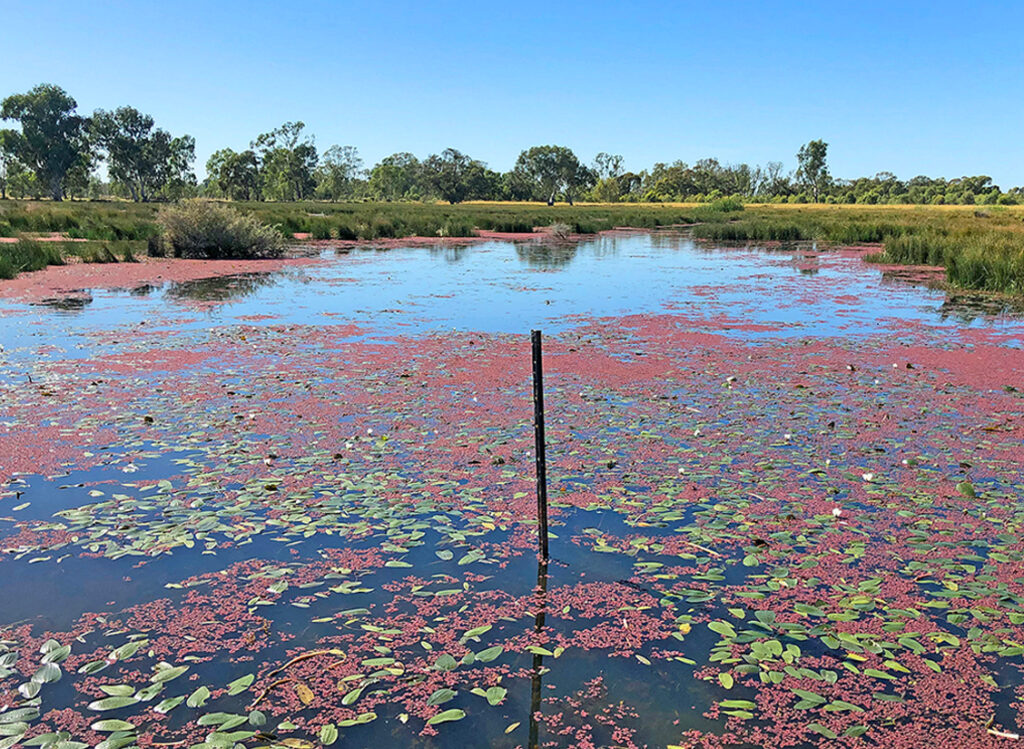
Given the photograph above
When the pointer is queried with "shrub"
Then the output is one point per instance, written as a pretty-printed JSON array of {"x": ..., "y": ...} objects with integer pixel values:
[
  {"x": 456, "y": 228},
  {"x": 205, "y": 229},
  {"x": 726, "y": 205},
  {"x": 320, "y": 229},
  {"x": 560, "y": 230}
]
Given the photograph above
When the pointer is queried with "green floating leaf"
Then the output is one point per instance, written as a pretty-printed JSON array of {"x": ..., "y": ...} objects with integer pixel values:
[
  {"x": 738, "y": 704},
  {"x": 828, "y": 733},
  {"x": 488, "y": 655},
  {"x": 445, "y": 663},
  {"x": 351, "y": 697},
  {"x": 447, "y": 716},
  {"x": 722, "y": 628},
  {"x": 112, "y": 703},
  {"x": 359, "y": 720},
  {"x": 813, "y": 697},
  {"x": 240, "y": 684},
  {"x": 328, "y": 734},
  {"x": 198, "y": 698},
  {"x": 726, "y": 680},
  {"x": 169, "y": 704},
  {"x": 167, "y": 674},
  {"x": 21, "y": 715},
  {"x": 476, "y": 632},
  {"x": 441, "y": 696},
  {"x": 47, "y": 674},
  {"x": 117, "y": 690},
  {"x": 107, "y": 726}
]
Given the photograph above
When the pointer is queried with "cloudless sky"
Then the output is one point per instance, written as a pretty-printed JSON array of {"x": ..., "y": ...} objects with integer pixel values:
[{"x": 931, "y": 88}]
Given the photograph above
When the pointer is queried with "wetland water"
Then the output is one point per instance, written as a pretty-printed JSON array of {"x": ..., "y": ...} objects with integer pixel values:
[{"x": 296, "y": 506}]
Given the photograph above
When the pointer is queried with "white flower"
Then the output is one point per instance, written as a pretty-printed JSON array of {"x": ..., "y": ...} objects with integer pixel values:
[
  {"x": 836, "y": 512},
  {"x": 868, "y": 476}
]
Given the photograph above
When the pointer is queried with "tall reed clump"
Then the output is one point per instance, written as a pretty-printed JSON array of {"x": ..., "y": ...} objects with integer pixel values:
[
  {"x": 27, "y": 255},
  {"x": 205, "y": 229},
  {"x": 920, "y": 248},
  {"x": 755, "y": 229}
]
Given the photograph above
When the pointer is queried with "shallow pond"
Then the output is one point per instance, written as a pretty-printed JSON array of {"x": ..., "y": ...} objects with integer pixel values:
[{"x": 297, "y": 506}]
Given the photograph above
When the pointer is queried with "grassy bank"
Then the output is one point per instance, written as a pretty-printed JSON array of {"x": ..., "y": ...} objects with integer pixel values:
[
  {"x": 981, "y": 248},
  {"x": 29, "y": 254},
  {"x": 110, "y": 221}
]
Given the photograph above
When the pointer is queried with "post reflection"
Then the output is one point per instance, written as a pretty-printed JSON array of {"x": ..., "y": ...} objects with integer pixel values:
[{"x": 538, "y": 660}]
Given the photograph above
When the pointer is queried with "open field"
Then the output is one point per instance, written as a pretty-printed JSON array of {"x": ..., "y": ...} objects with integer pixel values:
[{"x": 981, "y": 248}]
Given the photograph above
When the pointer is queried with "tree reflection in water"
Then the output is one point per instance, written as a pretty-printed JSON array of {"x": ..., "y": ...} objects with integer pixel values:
[{"x": 220, "y": 288}]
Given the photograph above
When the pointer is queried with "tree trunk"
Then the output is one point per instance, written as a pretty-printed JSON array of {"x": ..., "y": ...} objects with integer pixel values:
[{"x": 56, "y": 191}]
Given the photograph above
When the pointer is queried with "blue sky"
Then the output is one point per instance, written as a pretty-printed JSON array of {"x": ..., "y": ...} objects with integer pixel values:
[{"x": 911, "y": 87}]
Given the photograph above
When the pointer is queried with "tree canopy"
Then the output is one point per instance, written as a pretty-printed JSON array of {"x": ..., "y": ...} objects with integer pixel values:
[
  {"x": 144, "y": 159},
  {"x": 52, "y": 139},
  {"x": 53, "y": 150}
]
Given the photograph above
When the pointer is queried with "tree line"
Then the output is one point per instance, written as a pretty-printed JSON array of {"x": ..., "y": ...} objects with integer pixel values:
[{"x": 56, "y": 152}]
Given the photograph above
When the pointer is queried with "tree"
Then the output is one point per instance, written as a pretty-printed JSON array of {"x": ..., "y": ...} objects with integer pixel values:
[
  {"x": 607, "y": 166},
  {"x": 8, "y": 158},
  {"x": 235, "y": 175},
  {"x": 582, "y": 179},
  {"x": 396, "y": 177},
  {"x": 454, "y": 176},
  {"x": 52, "y": 138},
  {"x": 607, "y": 169},
  {"x": 550, "y": 170},
  {"x": 812, "y": 171},
  {"x": 145, "y": 160},
  {"x": 287, "y": 161},
  {"x": 339, "y": 170}
]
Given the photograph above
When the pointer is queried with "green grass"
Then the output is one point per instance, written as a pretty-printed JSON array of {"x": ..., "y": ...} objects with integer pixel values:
[
  {"x": 980, "y": 249},
  {"x": 26, "y": 255}
]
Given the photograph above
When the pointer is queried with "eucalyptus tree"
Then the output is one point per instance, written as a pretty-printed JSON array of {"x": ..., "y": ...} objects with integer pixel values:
[
  {"x": 234, "y": 175},
  {"x": 53, "y": 137},
  {"x": 397, "y": 177},
  {"x": 812, "y": 169},
  {"x": 287, "y": 159},
  {"x": 8, "y": 158},
  {"x": 455, "y": 177},
  {"x": 551, "y": 171},
  {"x": 143, "y": 158},
  {"x": 339, "y": 172}
]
